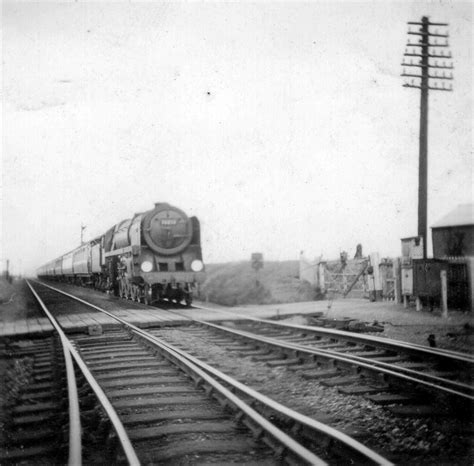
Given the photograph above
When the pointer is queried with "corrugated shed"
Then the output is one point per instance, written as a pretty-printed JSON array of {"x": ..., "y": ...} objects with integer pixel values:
[{"x": 462, "y": 215}]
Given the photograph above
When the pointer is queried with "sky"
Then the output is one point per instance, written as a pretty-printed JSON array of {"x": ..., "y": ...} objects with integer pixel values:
[{"x": 283, "y": 126}]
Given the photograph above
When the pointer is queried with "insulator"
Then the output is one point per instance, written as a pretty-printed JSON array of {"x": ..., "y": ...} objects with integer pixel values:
[
  {"x": 450, "y": 87},
  {"x": 436, "y": 62},
  {"x": 413, "y": 81}
]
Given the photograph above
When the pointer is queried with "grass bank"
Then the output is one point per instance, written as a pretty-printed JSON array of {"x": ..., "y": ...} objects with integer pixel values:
[{"x": 234, "y": 284}]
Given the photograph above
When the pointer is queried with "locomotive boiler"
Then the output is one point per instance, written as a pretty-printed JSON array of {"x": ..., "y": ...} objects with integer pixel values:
[{"x": 149, "y": 257}]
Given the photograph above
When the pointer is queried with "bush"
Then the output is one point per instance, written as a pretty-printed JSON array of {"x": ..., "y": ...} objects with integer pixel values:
[{"x": 235, "y": 283}]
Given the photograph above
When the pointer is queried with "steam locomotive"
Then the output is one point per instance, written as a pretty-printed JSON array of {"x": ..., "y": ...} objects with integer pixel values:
[{"x": 152, "y": 256}]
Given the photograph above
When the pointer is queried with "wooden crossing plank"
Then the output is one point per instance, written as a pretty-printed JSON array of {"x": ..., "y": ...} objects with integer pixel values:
[
  {"x": 65, "y": 321},
  {"x": 45, "y": 324},
  {"x": 8, "y": 329},
  {"x": 84, "y": 320},
  {"x": 144, "y": 318},
  {"x": 21, "y": 327},
  {"x": 34, "y": 326}
]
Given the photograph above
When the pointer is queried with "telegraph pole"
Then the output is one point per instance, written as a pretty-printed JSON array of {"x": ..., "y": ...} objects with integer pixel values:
[
  {"x": 426, "y": 53},
  {"x": 83, "y": 227}
]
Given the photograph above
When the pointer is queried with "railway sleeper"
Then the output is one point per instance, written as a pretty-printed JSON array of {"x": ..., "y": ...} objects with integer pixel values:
[
  {"x": 366, "y": 389},
  {"x": 418, "y": 411},
  {"x": 132, "y": 374},
  {"x": 392, "y": 398},
  {"x": 268, "y": 357},
  {"x": 341, "y": 381},
  {"x": 121, "y": 366},
  {"x": 256, "y": 352},
  {"x": 146, "y": 381},
  {"x": 105, "y": 339},
  {"x": 181, "y": 414},
  {"x": 284, "y": 362},
  {"x": 163, "y": 401},
  {"x": 305, "y": 366},
  {"x": 31, "y": 435},
  {"x": 150, "y": 390},
  {"x": 196, "y": 449},
  {"x": 42, "y": 454},
  {"x": 124, "y": 359},
  {"x": 156, "y": 432},
  {"x": 115, "y": 354},
  {"x": 126, "y": 345},
  {"x": 320, "y": 374}
]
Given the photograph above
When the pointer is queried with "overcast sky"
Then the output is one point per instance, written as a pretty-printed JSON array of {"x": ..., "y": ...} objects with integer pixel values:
[{"x": 282, "y": 126}]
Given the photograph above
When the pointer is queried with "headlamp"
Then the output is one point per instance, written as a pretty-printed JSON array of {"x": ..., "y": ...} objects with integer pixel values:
[
  {"x": 146, "y": 266},
  {"x": 197, "y": 265}
]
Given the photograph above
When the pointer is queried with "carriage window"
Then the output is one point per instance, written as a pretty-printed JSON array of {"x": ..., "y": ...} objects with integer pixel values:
[
  {"x": 179, "y": 266},
  {"x": 163, "y": 266}
]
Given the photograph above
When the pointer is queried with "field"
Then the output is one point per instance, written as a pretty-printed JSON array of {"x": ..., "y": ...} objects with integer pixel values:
[
  {"x": 15, "y": 300},
  {"x": 235, "y": 283}
]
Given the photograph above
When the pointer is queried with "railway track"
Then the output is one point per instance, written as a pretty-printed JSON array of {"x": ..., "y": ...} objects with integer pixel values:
[
  {"x": 164, "y": 405},
  {"x": 442, "y": 373}
]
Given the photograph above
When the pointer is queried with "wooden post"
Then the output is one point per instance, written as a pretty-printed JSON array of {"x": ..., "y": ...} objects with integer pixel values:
[
  {"x": 377, "y": 282},
  {"x": 322, "y": 282},
  {"x": 444, "y": 294},
  {"x": 405, "y": 301},
  {"x": 419, "y": 306},
  {"x": 397, "y": 276}
]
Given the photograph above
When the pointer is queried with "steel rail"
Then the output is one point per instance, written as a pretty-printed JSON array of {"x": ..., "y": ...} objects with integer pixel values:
[
  {"x": 194, "y": 365},
  {"x": 395, "y": 344},
  {"x": 448, "y": 386},
  {"x": 286, "y": 441},
  {"x": 369, "y": 364},
  {"x": 297, "y": 417},
  {"x": 104, "y": 401},
  {"x": 331, "y": 353},
  {"x": 334, "y": 434},
  {"x": 75, "y": 440}
]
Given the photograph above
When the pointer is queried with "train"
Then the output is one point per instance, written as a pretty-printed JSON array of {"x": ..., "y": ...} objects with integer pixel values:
[{"x": 152, "y": 256}]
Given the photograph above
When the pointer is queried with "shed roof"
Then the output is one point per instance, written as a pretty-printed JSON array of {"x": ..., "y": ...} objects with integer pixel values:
[{"x": 462, "y": 215}]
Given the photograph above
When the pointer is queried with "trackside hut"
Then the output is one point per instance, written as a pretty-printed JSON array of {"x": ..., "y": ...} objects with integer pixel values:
[{"x": 453, "y": 240}]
